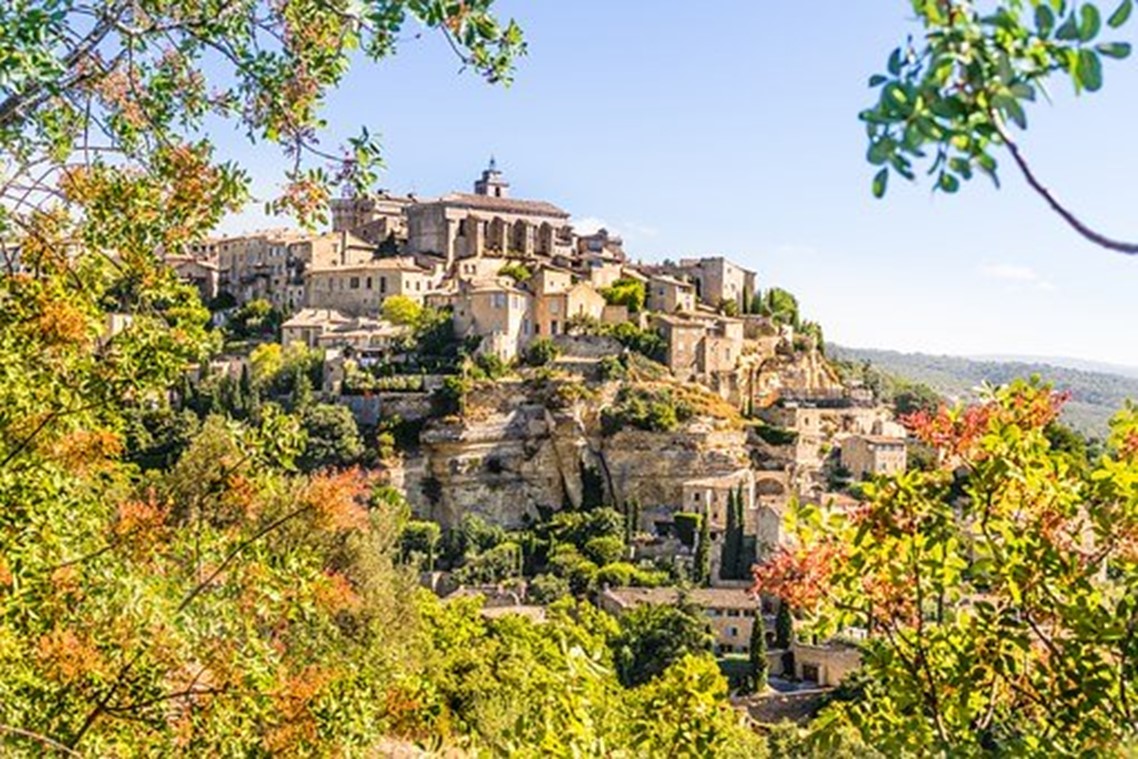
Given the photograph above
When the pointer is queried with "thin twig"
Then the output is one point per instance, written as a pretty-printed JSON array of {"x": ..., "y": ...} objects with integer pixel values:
[{"x": 1066, "y": 214}]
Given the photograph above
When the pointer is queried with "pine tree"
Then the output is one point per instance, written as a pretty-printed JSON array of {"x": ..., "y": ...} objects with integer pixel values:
[
  {"x": 758, "y": 653},
  {"x": 702, "y": 572}
]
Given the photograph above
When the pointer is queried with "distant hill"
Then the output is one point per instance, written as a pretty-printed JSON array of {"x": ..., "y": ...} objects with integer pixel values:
[{"x": 1095, "y": 395}]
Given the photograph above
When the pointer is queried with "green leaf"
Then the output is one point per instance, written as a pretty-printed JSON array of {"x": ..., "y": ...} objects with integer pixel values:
[
  {"x": 895, "y": 62},
  {"x": 1069, "y": 30},
  {"x": 1090, "y": 70},
  {"x": 1114, "y": 49},
  {"x": 880, "y": 182},
  {"x": 877, "y": 80},
  {"x": 948, "y": 183},
  {"x": 1122, "y": 15},
  {"x": 1011, "y": 109},
  {"x": 1091, "y": 22},
  {"x": 1044, "y": 20}
]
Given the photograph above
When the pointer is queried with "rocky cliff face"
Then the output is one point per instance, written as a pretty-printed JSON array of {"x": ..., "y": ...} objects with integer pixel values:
[{"x": 513, "y": 453}]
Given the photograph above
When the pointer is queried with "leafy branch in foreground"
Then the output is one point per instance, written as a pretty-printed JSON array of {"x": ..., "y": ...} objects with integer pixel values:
[
  {"x": 950, "y": 100},
  {"x": 996, "y": 595}
]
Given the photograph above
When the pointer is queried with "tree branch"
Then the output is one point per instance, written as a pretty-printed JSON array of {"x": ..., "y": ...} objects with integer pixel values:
[
  {"x": 1066, "y": 214},
  {"x": 43, "y": 739}
]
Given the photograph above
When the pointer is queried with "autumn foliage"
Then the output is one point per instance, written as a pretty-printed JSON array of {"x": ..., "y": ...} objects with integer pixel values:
[{"x": 994, "y": 597}]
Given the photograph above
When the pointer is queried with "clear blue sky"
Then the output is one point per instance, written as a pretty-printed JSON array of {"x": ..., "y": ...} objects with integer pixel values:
[{"x": 730, "y": 128}]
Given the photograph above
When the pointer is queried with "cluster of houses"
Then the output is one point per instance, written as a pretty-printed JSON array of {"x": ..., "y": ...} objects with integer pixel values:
[
  {"x": 455, "y": 251},
  {"x": 512, "y": 271}
]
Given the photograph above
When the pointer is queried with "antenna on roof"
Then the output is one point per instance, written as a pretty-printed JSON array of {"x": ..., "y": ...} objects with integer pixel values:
[{"x": 493, "y": 163}]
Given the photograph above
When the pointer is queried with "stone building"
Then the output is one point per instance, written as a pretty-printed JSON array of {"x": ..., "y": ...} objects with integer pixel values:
[
  {"x": 865, "y": 455},
  {"x": 682, "y": 337},
  {"x": 669, "y": 295},
  {"x": 360, "y": 289},
  {"x": 730, "y": 611},
  {"x": 487, "y": 222},
  {"x": 709, "y": 495},
  {"x": 308, "y": 325},
  {"x": 498, "y": 312},
  {"x": 249, "y": 264},
  {"x": 202, "y": 272},
  {"x": 375, "y": 218},
  {"x": 271, "y": 264},
  {"x": 557, "y": 299},
  {"x": 705, "y": 349},
  {"x": 718, "y": 280}
]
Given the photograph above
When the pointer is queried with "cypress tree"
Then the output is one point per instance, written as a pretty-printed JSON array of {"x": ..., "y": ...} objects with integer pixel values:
[
  {"x": 730, "y": 557},
  {"x": 758, "y": 653},
  {"x": 703, "y": 553},
  {"x": 742, "y": 561},
  {"x": 783, "y": 626},
  {"x": 784, "y": 637}
]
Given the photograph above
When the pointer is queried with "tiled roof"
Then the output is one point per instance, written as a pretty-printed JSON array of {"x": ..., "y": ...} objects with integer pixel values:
[
  {"x": 707, "y": 598},
  {"x": 503, "y": 205}
]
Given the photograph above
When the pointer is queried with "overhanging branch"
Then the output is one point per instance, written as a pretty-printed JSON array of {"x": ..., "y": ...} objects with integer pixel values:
[{"x": 1065, "y": 213}]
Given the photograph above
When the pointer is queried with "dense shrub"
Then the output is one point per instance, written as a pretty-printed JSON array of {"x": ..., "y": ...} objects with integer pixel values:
[
  {"x": 542, "y": 352},
  {"x": 651, "y": 409}
]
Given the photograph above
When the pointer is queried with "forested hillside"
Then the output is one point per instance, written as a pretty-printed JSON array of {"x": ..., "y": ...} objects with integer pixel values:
[{"x": 1095, "y": 396}]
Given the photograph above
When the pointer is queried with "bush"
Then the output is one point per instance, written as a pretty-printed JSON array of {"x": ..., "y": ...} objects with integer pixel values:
[
  {"x": 612, "y": 368},
  {"x": 451, "y": 397},
  {"x": 502, "y": 562},
  {"x": 420, "y": 539},
  {"x": 607, "y": 549},
  {"x": 333, "y": 440},
  {"x": 626, "y": 292},
  {"x": 516, "y": 271},
  {"x": 654, "y": 410},
  {"x": 541, "y": 352},
  {"x": 775, "y": 435},
  {"x": 492, "y": 365},
  {"x": 645, "y": 342},
  {"x": 402, "y": 310},
  {"x": 547, "y": 588},
  {"x": 257, "y": 318},
  {"x": 617, "y": 575}
]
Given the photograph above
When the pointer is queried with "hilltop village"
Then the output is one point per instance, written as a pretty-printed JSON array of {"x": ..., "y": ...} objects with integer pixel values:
[{"x": 557, "y": 416}]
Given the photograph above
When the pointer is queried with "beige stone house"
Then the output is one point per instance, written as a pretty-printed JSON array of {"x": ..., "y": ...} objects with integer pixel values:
[
  {"x": 498, "y": 312},
  {"x": 557, "y": 299},
  {"x": 361, "y": 289},
  {"x": 718, "y": 280},
  {"x": 730, "y": 611},
  {"x": 669, "y": 295},
  {"x": 202, "y": 272},
  {"x": 308, "y": 325},
  {"x": 374, "y": 218},
  {"x": 709, "y": 495},
  {"x": 248, "y": 264},
  {"x": 865, "y": 455}
]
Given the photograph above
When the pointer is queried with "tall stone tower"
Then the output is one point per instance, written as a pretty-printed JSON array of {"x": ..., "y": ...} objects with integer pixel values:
[{"x": 491, "y": 184}]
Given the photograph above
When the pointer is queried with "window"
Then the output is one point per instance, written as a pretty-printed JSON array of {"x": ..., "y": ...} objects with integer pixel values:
[
  {"x": 553, "y": 327},
  {"x": 383, "y": 284},
  {"x": 555, "y": 307},
  {"x": 499, "y": 300},
  {"x": 462, "y": 227},
  {"x": 369, "y": 283},
  {"x": 732, "y": 632},
  {"x": 354, "y": 283}
]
